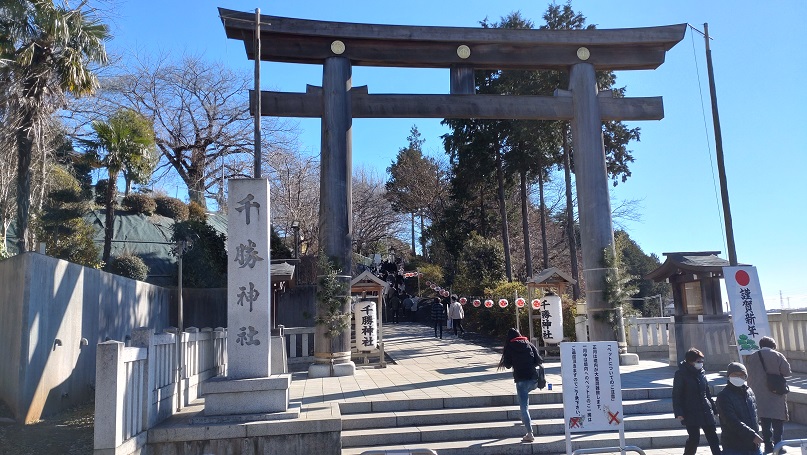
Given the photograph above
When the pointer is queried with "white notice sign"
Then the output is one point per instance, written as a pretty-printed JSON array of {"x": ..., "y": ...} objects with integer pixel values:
[
  {"x": 747, "y": 307},
  {"x": 592, "y": 389}
]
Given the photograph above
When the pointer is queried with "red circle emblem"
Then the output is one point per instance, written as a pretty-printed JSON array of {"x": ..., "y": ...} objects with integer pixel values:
[
  {"x": 536, "y": 304},
  {"x": 742, "y": 278},
  {"x": 520, "y": 302}
]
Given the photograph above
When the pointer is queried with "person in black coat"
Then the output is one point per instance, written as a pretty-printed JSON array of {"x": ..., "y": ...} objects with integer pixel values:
[
  {"x": 438, "y": 316},
  {"x": 692, "y": 403},
  {"x": 522, "y": 356},
  {"x": 739, "y": 429}
]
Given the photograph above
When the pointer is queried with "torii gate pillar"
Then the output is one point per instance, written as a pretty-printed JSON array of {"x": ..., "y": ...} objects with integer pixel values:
[
  {"x": 332, "y": 354},
  {"x": 594, "y": 204}
]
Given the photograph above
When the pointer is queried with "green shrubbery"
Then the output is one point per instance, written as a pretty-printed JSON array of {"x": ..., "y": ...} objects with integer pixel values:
[
  {"x": 196, "y": 212},
  {"x": 171, "y": 207},
  {"x": 130, "y": 266},
  {"x": 140, "y": 203}
]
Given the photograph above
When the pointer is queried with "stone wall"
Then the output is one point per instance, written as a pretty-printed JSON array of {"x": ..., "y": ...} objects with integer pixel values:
[{"x": 52, "y": 316}]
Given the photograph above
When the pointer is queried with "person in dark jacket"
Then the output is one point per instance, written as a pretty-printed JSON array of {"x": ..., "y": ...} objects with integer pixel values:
[
  {"x": 395, "y": 306},
  {"x": 692, "y": 403},
  {"x": 739, "y": 431},
  {"x": 438, "y": 316},
  {"x": 522, "y": 356}
]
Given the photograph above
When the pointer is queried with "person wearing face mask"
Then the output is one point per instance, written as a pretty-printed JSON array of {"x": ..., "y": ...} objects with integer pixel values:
[
  {"x": 738, "y": 414},
  {"x": 692, "y": 403}
]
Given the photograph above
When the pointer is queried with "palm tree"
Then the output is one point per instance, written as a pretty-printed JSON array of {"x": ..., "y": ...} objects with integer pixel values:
[
  {"x": 46, "y": 51},
  {"x": 123, "y": 143}
]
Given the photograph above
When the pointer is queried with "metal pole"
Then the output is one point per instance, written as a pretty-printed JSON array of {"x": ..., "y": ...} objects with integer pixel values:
[
  {"x": 721, "y": 167},
  {"x": 257, "y": 107},
  {"x": 179, "y": 334}
]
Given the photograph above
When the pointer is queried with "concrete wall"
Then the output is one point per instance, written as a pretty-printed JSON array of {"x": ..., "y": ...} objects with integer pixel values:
[{"x": 53, "y": 314}]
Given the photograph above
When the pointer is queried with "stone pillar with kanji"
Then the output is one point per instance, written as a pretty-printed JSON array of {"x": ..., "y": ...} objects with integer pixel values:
[{"x": 249, "y": 387}]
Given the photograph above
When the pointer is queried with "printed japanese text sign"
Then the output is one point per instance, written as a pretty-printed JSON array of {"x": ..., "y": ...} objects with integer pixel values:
[
  {"x": 248, "y": 283},
  {"x": 747, "y": 307},
  {"x": 592, "y": 388}
]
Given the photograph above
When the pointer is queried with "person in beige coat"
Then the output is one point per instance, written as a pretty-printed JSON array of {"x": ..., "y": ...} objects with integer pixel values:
[{"x": 772, "y": 408}]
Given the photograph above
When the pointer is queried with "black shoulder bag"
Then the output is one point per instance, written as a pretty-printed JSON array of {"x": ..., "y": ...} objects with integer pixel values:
[{"x": 776, "y": 382}]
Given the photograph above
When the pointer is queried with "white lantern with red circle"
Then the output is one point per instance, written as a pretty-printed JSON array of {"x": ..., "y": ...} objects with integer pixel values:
[
  {"x": 488, "y": 303},
  {"x": 503, "y": 303},
  {"x": 520, "y": 302},
  {"x": 463, "y": 300},
  {"x": 476, "y": 303},
  {"x": 536, "y": 304},
  {"x": 551, "y": 317}
]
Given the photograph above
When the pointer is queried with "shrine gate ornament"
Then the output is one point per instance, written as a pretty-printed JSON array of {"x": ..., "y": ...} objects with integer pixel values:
[{"x": 339, "y": 46}]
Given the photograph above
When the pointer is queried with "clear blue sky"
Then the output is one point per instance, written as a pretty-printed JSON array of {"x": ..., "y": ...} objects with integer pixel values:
[{"x": 758, "y": 53}]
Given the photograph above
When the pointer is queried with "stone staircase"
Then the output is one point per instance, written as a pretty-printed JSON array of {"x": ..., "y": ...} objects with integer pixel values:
[{"x": 491, "y": 425}]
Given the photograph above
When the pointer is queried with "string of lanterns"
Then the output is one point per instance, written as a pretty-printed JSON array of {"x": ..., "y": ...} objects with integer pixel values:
[{"x": 520, "y": 302}]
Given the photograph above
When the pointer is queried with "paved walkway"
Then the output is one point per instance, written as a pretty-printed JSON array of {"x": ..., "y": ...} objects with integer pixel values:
[{"x": 427, "y": 367}]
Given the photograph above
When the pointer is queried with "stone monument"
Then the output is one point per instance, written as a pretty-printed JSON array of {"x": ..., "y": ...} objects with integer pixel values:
[{"x": 249, "y": 390}]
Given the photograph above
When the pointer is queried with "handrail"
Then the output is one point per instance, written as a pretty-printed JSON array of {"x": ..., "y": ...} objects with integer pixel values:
[
  {"x": 786, "y": 442},
  {"x": 609, "y": 450}
]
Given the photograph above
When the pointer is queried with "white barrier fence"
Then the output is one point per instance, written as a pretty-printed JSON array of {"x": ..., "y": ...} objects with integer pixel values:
[
  {"x": 136, "y": 387},
  {"x": 650, "y": 337},
  {"x": 299, "y": 345}
]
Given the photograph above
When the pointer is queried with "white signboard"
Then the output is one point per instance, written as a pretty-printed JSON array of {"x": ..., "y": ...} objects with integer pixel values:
[
  {"x": 364, "y": 314},
  {"x": 551, "y": 313},
  {"x": 592, "y": 389},
  {"x": 747, "y": 307}
]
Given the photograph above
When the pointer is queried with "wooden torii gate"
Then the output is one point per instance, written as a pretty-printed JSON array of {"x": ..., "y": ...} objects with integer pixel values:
[{"x": 339, "y": 46}]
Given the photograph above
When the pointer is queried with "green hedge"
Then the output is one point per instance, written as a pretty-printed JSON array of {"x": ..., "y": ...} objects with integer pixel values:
[
  {"x": 172, "y": 207},
  {"x": 140, "y": 203},
  {"x": 130, "y": 266}
]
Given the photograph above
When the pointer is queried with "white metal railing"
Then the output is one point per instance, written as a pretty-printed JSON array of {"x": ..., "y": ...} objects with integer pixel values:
[
  {"x": 136, "y": 387},
  {"x": 299, "y": 344}
]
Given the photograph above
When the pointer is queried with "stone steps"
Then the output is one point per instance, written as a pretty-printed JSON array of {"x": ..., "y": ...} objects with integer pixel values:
[{"x": 491, "y": 425}]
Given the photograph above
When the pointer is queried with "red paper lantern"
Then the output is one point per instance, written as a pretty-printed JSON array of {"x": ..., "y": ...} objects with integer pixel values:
[
  {"x": 503, "y": 303},
  {"x": 520, "y": 302}
]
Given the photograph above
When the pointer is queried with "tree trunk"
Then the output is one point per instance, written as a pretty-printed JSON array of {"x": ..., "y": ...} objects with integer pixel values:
[
  {"x": 525, "y": 224},
  {"x": 567, "y": 171},
  {"x": 196, "y": 178},
  {"x": 109, "y": 222},
  {"x": 542, "y": 210},
  {"x": 503, "y": 213},
  {"x": 25, "y": 146},
  {"x": 422, "y": 238},
  {"x": 414, "y": 253}
]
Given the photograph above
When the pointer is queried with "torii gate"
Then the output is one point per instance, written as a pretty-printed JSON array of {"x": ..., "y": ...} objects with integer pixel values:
[{"x": 339, "y": 46}]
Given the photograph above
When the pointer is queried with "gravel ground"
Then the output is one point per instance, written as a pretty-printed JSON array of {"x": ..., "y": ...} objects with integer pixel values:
[{"x": 69, "y": 433}]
